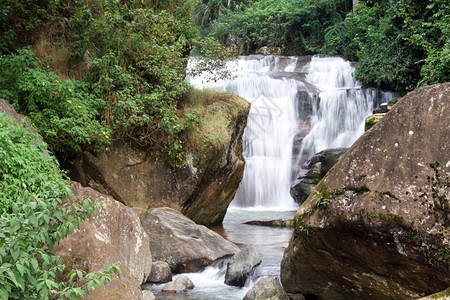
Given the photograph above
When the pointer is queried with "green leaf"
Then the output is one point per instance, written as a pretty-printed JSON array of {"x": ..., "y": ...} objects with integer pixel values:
[
  {"x": 12, "y": 277},
  {"x": 22, "y": 270},
  {"x": 3, "y": 293}
]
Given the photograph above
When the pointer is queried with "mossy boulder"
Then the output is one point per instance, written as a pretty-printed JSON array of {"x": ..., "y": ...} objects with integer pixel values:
[
  {"x": 377, "y": 225},
  {"x": 203, "y": 188}
]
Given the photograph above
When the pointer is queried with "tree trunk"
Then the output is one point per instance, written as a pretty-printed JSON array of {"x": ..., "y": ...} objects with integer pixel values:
[{"x": 355, "y": 2}]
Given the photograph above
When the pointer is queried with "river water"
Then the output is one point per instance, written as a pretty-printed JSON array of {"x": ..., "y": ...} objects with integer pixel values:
[
  {"x": 299, "y": 106},
  {"x": 270, "y": 243}
]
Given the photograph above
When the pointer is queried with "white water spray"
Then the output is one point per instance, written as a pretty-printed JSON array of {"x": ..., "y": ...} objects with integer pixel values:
[
  {"x": 271, "y": 85},
  {"x": 268, "y": 136},
  {"x": 337, "y": 119}
]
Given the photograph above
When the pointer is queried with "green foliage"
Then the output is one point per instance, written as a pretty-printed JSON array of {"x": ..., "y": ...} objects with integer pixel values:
[
  {"x": 66, "y": 115},
  {"x": 213, "y": 60},
  {"x": 20, "y": 19},
  {"x": 33, "y": 220},
  {"x": 297, "y": 27},
  {"x": 322, "y": 197},
  {"x": 400, "y": 45},
  {"x": 130, "y": 58}
]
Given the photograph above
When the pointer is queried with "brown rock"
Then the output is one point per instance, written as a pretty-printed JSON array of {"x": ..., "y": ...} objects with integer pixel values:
[
  {"x": 160, "y": 273},
  {"x": 184, "y": 245},
  {"x": 267, "y": 289},
  {"x": 181, "y": 284},
  {"x": 201, "y": 190},
  {"x": 371, "y": 230},
  {"x": 115, "y": 236},
  {"x": 147, "y": 295}
]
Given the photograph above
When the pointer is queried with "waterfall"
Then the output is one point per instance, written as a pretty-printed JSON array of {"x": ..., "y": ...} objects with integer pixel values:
[
  {"x": 340, "y": 108},
  {"x": 273, "y": 86},
  {"x": 270, "y": 129}
]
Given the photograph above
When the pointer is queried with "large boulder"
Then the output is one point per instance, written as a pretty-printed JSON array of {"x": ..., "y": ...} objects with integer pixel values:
[
  {"x": 241, "y": 265},
  {"x": 375, "y": 228},
  {"x": 184, "y": 245},
  {"x": 268, "y": 289},
  {"x": 114, "y": 236},
  {"x": 201, "y": 190}
]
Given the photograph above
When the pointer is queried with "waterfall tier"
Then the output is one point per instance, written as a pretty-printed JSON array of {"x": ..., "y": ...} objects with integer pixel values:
[{"x": 315, "y": 96}]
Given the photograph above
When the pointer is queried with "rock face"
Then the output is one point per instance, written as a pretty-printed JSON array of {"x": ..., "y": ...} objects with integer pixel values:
[
  {"x": 115, "y": 236},
  {"x": 184, "y": 245},
  {"x": 373, "y": 230},
  {"x": 312, "y": 171},
  {"x": 241, "y": 266},
  {"x": 181, "y": 284},
  {"x": 267, "y": 289},
  {"x": 201, "y": 190}
]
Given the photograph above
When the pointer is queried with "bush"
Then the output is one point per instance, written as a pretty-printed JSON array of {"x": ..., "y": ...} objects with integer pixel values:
[
  {"x": 130, "y": 58},
  {"x": 400, "y": 45},
  {"x": 33, "y": 220},
  {"x": 65, "y": 113}
]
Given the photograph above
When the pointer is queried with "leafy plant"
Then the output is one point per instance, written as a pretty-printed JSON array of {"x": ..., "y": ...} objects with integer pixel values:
[
  {"x": 322, "y": 197},
  {"x": 212, "y": 64},
  {"x": 65, "y": 113},
  {"x": 33, "y": 220}
]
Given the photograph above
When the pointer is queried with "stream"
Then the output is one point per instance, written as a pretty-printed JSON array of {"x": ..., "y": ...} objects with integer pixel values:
[{"x": 270, "y": 243}]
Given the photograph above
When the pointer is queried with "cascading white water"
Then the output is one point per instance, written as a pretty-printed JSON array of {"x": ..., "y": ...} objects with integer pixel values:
[
  {"x": 338, "y": 116},
  {"x": 272, "y": 84},
  {"x": 268, "y": 136}
]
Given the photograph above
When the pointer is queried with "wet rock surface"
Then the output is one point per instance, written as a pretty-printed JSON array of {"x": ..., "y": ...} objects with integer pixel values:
[
  {"x": 312, "y": 171},
  {"x": 241, "y": 266}
]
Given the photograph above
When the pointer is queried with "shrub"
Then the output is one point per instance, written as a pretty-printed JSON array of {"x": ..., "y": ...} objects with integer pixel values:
[
  {"x": 65, "y": 113},
  {"x": 33, "y": 219}
]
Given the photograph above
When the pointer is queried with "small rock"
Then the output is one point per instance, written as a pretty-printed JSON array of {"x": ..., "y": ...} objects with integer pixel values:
[
  {"x": 267, "y": 289},
  {"x": 241, "y": 265},
  {"x": 273, "y": 223},
  {"x": 161, "y": 272},
  {"x": 147, "y": 295},
  {"x": 181, "y": 284}
]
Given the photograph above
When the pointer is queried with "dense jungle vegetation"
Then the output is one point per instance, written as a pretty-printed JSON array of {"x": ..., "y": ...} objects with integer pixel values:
[
  {"x": 400, "y": 45},
  {"x": 86, "y": 72}
]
